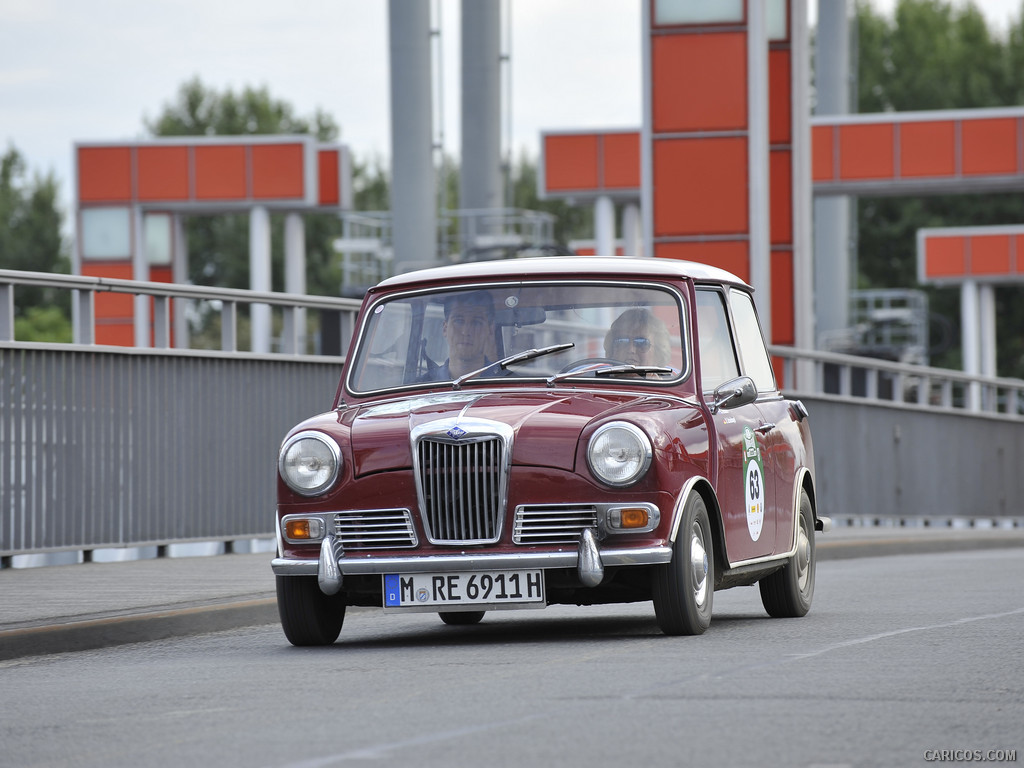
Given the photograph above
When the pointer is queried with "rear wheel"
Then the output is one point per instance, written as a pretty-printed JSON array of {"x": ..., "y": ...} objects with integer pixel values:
[
  {"x": 684, "y": 589},
  {"x": 308, "y": 616},
  {"x": 461, "y": 618},
  {"x": 787, "y": 593}
]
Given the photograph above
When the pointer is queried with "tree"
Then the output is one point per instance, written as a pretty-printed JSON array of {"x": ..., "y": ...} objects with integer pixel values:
[
  {"x": 934, "y": 55},
  {"x": 30, "y": 239}
]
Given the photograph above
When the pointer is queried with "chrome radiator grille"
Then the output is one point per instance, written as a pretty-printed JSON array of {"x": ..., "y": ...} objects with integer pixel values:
[
  {"x": 375, "y": 529},
  {"x": 461, "y": 489},
  {"x": 552, "y": 524}
]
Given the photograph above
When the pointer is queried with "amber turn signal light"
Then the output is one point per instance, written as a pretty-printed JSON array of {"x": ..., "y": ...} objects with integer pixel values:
[
  {"x": 633, "y": 517},
  {"x": 303, "y": 528}
]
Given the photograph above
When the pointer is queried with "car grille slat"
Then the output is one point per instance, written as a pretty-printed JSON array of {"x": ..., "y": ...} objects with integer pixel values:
[
  {"x": 375, "y": 529},
  {"x": 563, "y": 524},
  {"x": 461, "y": 488}
]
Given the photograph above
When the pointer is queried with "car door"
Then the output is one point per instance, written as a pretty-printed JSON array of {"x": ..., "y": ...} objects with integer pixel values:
[{"x": 743, "y": 482}]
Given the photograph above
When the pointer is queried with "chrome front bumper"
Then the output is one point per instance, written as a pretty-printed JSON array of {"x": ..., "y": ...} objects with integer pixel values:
[{"x": 588, "y": 559}]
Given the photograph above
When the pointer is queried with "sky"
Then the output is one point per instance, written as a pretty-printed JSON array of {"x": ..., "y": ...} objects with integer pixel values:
[{"x": 95, "y": 70}]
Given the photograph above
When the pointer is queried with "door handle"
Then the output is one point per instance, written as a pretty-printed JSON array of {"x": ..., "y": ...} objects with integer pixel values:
[{"x": 764, "y": 429}]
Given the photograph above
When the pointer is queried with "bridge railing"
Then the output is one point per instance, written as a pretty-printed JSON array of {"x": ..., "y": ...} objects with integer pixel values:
[
  {"x": 850, "y": 376},
  {"x": 116, "y": 447}
]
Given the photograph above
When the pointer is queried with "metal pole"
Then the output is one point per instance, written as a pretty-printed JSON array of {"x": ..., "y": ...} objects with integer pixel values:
[
  {"x": 413, "y": 195},
  {"x": 757, "y": 141},
  {"x": 604, "y": 226},
  {"x": 259, "y": 277},
  {"x": 480, "y": 173}
]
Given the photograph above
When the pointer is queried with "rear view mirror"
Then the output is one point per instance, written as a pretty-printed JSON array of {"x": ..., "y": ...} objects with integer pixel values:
[{"x": 734, "y": 393}]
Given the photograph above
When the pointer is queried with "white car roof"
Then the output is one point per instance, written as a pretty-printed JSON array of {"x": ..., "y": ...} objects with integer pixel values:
[{"x": 574, "y": 266}]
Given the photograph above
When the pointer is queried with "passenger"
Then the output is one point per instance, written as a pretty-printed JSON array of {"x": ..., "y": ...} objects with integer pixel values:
[
  {"x": 637, "y": 337},
  {"x": 469, "y": 330}
]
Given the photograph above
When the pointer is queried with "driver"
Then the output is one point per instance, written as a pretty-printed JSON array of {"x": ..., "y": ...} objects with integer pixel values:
[
  {"x": 637, "y": 337},
  {"x": 468, "y": 328}
]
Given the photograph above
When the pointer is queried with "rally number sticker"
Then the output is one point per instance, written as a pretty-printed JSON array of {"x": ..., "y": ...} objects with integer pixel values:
[{"x": 753, "y": 477}]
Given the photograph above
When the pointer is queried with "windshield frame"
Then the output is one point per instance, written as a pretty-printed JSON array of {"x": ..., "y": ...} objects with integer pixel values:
[{"x": 672, "y": 291}]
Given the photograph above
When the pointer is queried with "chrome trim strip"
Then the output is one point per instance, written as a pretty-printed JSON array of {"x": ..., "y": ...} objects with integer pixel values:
[{"x": 350, "y": 564}]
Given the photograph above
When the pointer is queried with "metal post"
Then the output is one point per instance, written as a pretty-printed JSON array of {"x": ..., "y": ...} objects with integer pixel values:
[
  {"x": 632, "y": 237},
  {"x": 604, "y": 226},
  {"x": 140, "y": 271},
  {"x": 179, "y": 272},
  {"x": 987, "y": 329},
  {"x": 969, "y": 335},
  {"x": 757, "y": 141},
  {"x": 833, "y": 256},
  {"x": 294, "y": 336},
  {"x": 414, "y": 232},
  {"x": 480, "y": 172},
  {"x": 259, "y": 276}
]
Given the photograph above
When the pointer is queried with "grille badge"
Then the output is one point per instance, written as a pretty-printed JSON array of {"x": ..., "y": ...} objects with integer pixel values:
[{"x": 456, "y": 432}]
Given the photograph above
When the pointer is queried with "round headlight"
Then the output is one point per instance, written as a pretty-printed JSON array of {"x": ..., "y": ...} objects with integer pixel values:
[
  {"x": 619, "y": 453},
  {"x": 309, "y": 463}
]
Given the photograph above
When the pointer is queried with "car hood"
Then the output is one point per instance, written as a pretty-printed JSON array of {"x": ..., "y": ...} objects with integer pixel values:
[{"x": 546, "y": 425}]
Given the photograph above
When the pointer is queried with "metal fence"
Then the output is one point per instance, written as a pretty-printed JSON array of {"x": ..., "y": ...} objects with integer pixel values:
[{"x": 121, "y": 447}]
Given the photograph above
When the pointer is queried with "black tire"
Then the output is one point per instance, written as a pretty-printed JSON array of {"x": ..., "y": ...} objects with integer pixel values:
[
  {"x": 308, "y": 616},
  {"x": 461, "y": 618},
  {"x": 684, "y": 589},
  {"x": 787, "y": 594}
]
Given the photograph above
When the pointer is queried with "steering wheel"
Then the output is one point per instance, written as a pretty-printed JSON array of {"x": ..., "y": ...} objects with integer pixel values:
[{"x": 589, "y": 361}]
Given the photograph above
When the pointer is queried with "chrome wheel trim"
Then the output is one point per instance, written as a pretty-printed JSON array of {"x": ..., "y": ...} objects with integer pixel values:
[
  {"x": 802, "y": 561},
  {"x": 698, "y": 565}
]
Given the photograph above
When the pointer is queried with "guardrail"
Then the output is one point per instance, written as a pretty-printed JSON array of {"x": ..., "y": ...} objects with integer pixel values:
[
  {"x": 84, "y": 291},
  {"x": 831, "y": 374},
  {"x": 116, "y": 447}
]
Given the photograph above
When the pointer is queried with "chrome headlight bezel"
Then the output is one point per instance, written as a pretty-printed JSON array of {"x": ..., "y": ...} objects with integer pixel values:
[
  {"x": 633, "y": 449},
  {"x": 289, "y": 462}
]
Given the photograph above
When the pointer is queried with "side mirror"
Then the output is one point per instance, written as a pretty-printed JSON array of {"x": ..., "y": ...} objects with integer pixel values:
[{"x": 734, "y": 393}]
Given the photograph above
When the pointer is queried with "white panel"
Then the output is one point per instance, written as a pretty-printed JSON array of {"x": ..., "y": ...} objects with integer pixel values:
[
  {"x": 106, "y": 233},
  {"x": 156, "y": 231},
  {"x": 697, "y": 11}
]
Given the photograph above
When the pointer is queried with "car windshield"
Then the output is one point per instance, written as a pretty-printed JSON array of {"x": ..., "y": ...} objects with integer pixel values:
[{"x": 483, "y": 333}]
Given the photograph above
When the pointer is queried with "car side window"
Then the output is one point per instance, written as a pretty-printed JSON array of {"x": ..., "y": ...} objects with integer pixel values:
[
  {"x": 756, "y": 363},
  {"x": 717, "y": 356}
]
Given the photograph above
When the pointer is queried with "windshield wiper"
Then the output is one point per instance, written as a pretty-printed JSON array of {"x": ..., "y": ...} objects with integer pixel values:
[
  {"x": 608, "y": 369},
  {"x": 518, "y": 357}
]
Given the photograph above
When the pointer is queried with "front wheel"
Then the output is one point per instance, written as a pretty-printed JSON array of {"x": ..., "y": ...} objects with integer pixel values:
[
  {"x": 684, "y": 589},
  {"x": 787, "y": 594},
  {"x": 308, "y": 616}
]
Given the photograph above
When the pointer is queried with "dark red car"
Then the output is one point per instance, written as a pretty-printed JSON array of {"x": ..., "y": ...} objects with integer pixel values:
[{"x": 523, "y": 433}]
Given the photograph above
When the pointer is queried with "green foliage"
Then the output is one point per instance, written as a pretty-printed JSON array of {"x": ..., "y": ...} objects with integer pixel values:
[
  {"x": 49, "y": 324},
  {"x": 933, "y": 54},
  {"x": 30, "y": 239}
]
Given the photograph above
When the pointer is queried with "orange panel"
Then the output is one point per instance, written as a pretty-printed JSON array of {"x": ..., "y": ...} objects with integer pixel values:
[
  {"x": 990, "y": 255},
  {"x": 1018, "y": 249},
  {"x": 730, "y": 255},
  {"x": 327, "y": 177},
  {"x": 865, "y": 152},
  {"x": 823, "y": 167},
  {"x": 699, "y": 81},
  {"x": 780, "y": 106},
  {"x": 781, "y": 203},
  {"x": 945, "y": 256},
  {"x": 104, "y": 174},
  {"x": 116, "y": 333},
  {"x": 989, "y": 146},
  {"x": 163, "y": 173},
  {"x": 570, "y": 162},
  {"x": 782, "y": 298},
  {"x": 700, "y": 186},
  {"x": 621, "y": 161},
  {"x": 928, "y": 149},
  {"x": 112, "y": 305},
  {"x": 161, "y": 275},
  {"x": 220, "y": 172},
  {"x": 278, "y": 171}
]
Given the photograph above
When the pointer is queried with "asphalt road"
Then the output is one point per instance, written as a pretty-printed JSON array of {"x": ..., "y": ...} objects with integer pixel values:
[{"x": 901, "y": 658}]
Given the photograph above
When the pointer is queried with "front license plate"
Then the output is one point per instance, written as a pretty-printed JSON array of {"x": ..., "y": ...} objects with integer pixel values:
[{"x": 449, "y": 590}]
